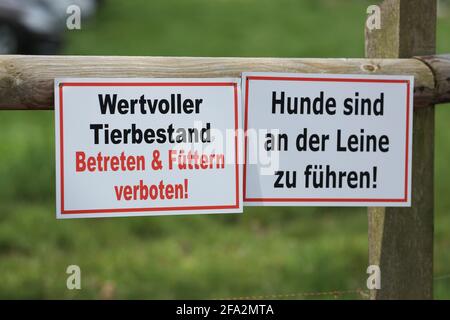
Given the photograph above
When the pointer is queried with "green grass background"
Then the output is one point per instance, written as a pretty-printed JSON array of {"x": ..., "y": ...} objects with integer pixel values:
[{"x": 265, "y": 251}]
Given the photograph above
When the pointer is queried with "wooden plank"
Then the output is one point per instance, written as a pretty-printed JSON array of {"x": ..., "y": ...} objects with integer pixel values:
[
  {"x": 401, "y": 239},
  {"x": 26, "y": 82},
  {"x": 440, "y": 66}
]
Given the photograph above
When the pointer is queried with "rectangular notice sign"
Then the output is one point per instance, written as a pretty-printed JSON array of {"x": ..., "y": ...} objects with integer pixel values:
[
  {"x": 129, "y": 147},
  {"x": 327, "y": 140}
]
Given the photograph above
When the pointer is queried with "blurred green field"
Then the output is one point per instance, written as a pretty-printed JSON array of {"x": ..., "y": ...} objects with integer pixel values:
[{"x": 265, "y": 251}]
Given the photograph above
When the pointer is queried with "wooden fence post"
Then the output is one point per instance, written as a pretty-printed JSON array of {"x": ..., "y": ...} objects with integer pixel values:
[{"x": 401, "y": 239}]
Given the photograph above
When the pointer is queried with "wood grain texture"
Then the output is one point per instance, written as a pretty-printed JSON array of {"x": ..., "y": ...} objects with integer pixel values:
[
  {"x": 440, "y": 66},
  {"x": 26, "y": 82},
  {"x": 401, "y": 239}
]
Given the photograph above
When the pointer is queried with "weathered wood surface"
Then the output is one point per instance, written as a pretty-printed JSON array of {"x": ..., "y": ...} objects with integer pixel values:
[
  {"x": 440, "y": 66},
  {"x": 401, "y": 239},
  {"x": 26, "y": 82}
]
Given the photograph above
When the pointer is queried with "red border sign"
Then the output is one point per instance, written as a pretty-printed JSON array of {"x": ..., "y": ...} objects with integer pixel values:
[
  {"x": 318, "y": 79},
  {"x": 146, "y": 84}
]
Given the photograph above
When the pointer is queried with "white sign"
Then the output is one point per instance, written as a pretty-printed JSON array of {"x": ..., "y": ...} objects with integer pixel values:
[
  {"x": 327, "y": 140},
  {"x": 127, "y": 147}
]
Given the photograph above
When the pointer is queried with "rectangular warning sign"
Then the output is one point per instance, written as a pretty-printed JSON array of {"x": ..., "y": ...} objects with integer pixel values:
[
  {"x": 331, "y": 140},
  {"x": 127, "y": 147}
]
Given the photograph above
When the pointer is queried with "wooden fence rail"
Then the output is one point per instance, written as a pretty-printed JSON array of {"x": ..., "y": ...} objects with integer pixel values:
[
  {"x": 26, "y": 82},
  {"x": 440, "y": 66}
]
